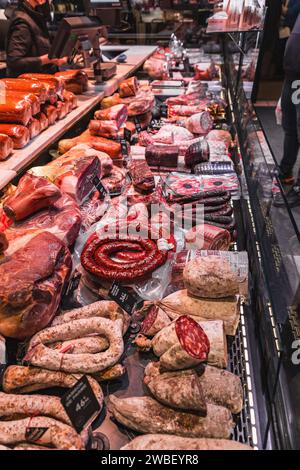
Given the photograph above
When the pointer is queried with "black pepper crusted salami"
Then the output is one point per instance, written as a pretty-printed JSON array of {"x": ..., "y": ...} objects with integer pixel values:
[{"x": 192, "y": 338}]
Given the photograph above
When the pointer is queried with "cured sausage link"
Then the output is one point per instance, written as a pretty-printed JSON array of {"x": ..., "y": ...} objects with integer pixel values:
[
  {"x": 59, "y": 435},
  {"x": 42, "y": 356}
]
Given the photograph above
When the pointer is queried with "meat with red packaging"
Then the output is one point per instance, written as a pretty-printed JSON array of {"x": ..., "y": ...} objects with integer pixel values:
[
  {"x": 6, "y": 146},
  {"x": 116, "y": 113},
  {"x": 26, "y": 86},
  {"x": 186, "y": 110},
  {"x": 75, "y": 81},
  {"x": 20, "y": 135},
  {"x": 32, "y": 194},
  {"x": 128, "y": 87},
  {"x": 62, "y": 109},
  {"x": 31, "y": 285},
  {"x": 142, "y": 176},
  {"x": 32, "y": 99},
  {"x": 51, "y": 113},
  {"x": 108, "y": 129},
  {"x": 96, "y": 258},
  {"x": 56, "y": 84},
  {"x": 34, "y": 127},
  {"x": 44, "y": 123},
  {"x": 208, "y": 237},
  {"x": 193, "y": 184},
  {"x": 15, "y": 110},
  {"x": 70, "y": 98}
]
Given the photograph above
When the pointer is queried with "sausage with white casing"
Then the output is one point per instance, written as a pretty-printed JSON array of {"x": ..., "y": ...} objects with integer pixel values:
[
  {"x": 59, "y": 435},
  {"x": 21, "y": 379},
  {"x": 166, "y": 442},
  {"x": 90, "y": 345},
  {"x": 42, "y": 356},
  {"x": 144, "y": 415},
  {"x": 43, "y": 405}
]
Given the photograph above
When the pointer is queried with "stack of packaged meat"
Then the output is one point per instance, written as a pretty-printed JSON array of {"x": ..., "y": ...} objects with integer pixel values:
[{"x": 28, "y": 105}]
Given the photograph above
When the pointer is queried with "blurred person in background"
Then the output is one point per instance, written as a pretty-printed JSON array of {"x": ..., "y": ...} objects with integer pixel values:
[{"x": 28, "y": 41}]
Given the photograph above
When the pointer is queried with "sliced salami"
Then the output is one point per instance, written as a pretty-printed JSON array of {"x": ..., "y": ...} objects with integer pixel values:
[
  {"x": 149, "y": 320},
  {"x": 192, "y": 338}
]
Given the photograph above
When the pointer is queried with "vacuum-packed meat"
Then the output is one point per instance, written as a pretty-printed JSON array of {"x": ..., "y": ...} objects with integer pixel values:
[
  {"x": 15, "y": 110},
  {"x": 44, "y": 122},
  {"x": 104, "y": 128},
  {"x": 26, "y": 86},
  {"x": 6, "y": 146},
  {"x": 162, "y": 155},
  {"x": 34, "y": 127},
  {"x": 75, "y": 81},
  {"x": 71, "y": 99},
  {"x": 128, "y": 87},
  {"x": 20, "y": 135},
  {"x": 116, "y": 113}
]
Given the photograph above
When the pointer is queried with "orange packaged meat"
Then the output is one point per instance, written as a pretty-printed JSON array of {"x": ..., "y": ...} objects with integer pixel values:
[
  {"x": 19, "y": 134},
  {"x": 51, "y": 112},
  {"x": 6, "y": 146},
  {"x": 32, "y": 99},
  {"x": 15, "y": 110},
  {"x": 75, "y": 81},
  {"x": 34, "y": 127},
  {"x": 26, "y": 86}
]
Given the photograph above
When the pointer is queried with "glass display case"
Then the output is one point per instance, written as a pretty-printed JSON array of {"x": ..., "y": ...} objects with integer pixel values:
[{"x": 272, "y": 238}]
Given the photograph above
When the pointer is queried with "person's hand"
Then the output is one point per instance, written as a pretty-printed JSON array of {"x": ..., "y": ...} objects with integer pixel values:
[
  {"x": 60, "y": 62},
  {"x": 45, "y": 59}
]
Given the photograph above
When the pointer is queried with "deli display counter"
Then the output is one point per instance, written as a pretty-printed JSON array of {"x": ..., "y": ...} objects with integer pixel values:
[{"x": 206, "y": 306}]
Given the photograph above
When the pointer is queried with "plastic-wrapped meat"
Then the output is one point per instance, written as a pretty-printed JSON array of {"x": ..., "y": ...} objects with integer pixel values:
[
  {"x": 128, "y": 87},
  {"x": 104, "y": 128},
  {"x": 208, "y": 237},
  {"x": 220, "y": 135},
  {"x": 6, "y": 146},
  {"x": 20, "y": 135},
  {"x": 162, "y": 155},
  {"x": 44, "y": 123},
  {"x": 200, "y": 123},
  {"x": 70, "y": 98},
  {"x": 26, "y": 86},
  {"x": 116, "y": 113},
  {"x": 189, "y": 99},
  {"x": 32, "y": 99},
  {"x": 196, "y": 153},
  {"x": 155, "y": 68},
  {"x": 113, "y": 149},
  {"x": 143, "y": 102},
  {"x": 34, "y": 127},
  {"x": 171, "y": 131},
  {"x": 32, "y": 194},
  {"x": 75, "y": 81},
  {"x": 15, "y": 110},
  {"x": 51, "y": 112},
  {"x": 62, "y": 109},
  {"x": 186, "y": 110},
  {"x": 55, "y": 84},
  {"x": 92, "y": 211}
]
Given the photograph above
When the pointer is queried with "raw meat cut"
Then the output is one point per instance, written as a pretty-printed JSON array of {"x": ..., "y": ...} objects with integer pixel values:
[
  {"x": 3, "y": 243},
  {"x": 104, "y": 128},
  {"x": 208, "y": 237},
  {"x": 200, "y": 123},
  {"x": 128, "y": 87},
  {"x": 75, "y": 81},
  {"x": 51, "y": 112},
  {"x": 142, "y": 176},
  {"x": 220, "y": 135},
  {"x": 44, "y": 123},
  {"x": 113, "y": 149},
  {"x": 32, "y": 194},
  {"x": 6, "y": 146},
  {"x": 62, "y": 109},
  {"x": 115, "y": 182},
  {"x": 116, "y": 113},
  {"x": 32, "y": 99},
  {"x": 31, "y": 285},
  {"x": 62, "y": 219},
  {"x": 162, "y": 155},
  {"x": 20, "y": 135}
]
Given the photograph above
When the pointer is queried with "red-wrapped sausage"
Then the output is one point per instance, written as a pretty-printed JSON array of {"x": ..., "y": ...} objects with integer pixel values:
[
  {"x": 19, "y": 134},
  {"x": 51, "y": 112},
  {"x": 15, "y": 110},
  {"x": 75, "y": 81},
  {"x": 6, "y": 146},
  {"x": 116, "y": 113},
  {"x": 44, "y": 122},
  {"x": 34, "y": 127},
  {"x": 32, "y": 99},
  {"x": 26, "y": 86}
]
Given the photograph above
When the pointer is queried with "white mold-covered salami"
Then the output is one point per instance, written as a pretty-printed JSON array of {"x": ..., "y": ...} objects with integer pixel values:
[
  {"x": 145, "y": 415},
  {"x": 166, "y": 442},
  {"x": 40, "y": 355}
]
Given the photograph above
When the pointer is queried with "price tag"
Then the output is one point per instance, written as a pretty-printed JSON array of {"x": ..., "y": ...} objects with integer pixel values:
[
  {"x": 34, "y": 435},
  {"x": 73, "y": 284},
  {"x": 81, "y": 404},
  {"x": 124, "y": 148},
  {"x": 137, "y": 125},
  {"x": 100, "y": 188},
  {"x": 127, "y": 301},
  {"x": 127, "y": 135}
]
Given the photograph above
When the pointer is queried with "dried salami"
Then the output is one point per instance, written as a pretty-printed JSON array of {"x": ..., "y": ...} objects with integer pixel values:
[{"x": 192, "y": 338}]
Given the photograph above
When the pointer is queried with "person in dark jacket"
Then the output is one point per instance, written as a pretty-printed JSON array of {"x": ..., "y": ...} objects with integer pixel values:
[
  {"x": 291, "y": 12},
  {"x": 290, "y": 104},
  {"x": 28, "y": 40}
]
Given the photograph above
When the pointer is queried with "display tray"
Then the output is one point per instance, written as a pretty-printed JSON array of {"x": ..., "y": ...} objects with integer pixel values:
[{"x": 113, "y": 435}]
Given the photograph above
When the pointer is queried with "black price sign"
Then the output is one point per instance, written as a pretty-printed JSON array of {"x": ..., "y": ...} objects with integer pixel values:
[
  {"x": 127, "y": 135},
  {"x": 73, "y": 284},
  {"x": 164, "y": 110},
  {"x": 34, "y": 435},
  {"x": 81, "y": 404},
  {"x": 123, "y": 298},
  {"x": 99, "y": 186},
  {"x": 137, "y": 125},
  {"x": 124, "y": 148}
]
